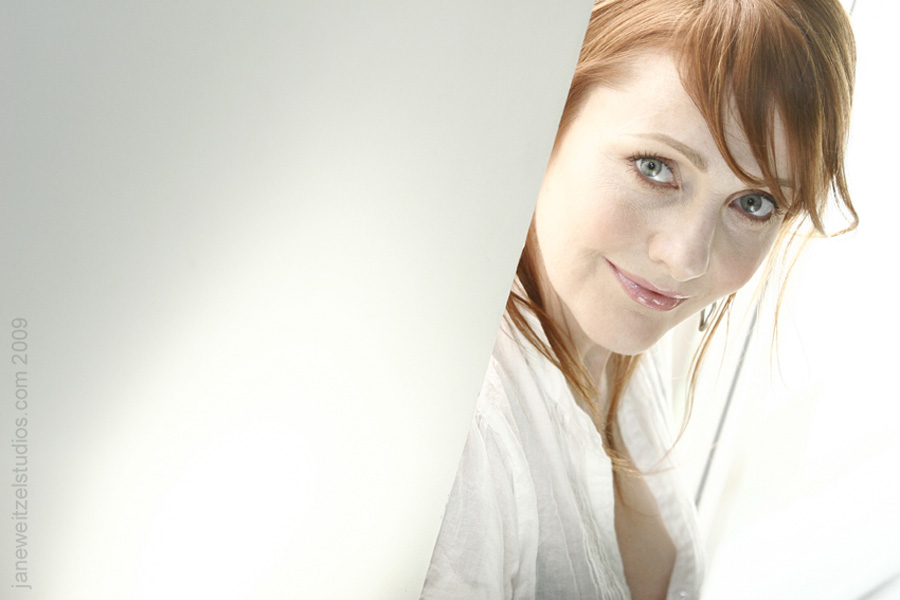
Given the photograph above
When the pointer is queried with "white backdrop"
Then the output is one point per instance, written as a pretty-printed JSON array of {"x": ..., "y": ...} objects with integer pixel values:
[
  {"x": 259, "y": 251},
  {"x": 808, "y": 470}
]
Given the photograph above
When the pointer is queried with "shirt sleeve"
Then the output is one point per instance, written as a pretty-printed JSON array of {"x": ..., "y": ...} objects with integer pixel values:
[{"x": 481, "y": 551}]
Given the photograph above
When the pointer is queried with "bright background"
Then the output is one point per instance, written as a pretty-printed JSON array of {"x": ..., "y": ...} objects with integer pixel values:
[
  {"x": 263, "y": 249},
  {"x": 801, "y": 499}
]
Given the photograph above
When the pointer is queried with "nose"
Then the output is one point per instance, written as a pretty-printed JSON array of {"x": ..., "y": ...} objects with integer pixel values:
[{"x": 684, "y": 244}]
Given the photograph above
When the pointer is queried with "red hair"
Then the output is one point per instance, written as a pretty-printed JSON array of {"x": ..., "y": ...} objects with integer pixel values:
[{"x": 765, "y": 62}]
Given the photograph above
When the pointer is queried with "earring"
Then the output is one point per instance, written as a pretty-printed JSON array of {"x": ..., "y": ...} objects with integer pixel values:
[{"x": 706, "y": 315}]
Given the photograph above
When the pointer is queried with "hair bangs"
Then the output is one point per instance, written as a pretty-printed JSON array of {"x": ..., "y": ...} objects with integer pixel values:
[{"x": 768, "y": 64}]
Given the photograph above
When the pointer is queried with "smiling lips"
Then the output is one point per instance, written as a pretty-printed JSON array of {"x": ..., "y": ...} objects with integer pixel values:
[{"x": 644, "y": 293}]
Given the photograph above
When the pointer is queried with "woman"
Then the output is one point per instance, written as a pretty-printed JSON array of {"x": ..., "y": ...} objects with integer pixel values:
[{"x": 697, "y": 136}]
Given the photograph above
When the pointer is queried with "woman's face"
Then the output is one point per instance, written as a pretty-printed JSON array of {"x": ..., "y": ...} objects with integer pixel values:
[{"x": 640, "y": 223}]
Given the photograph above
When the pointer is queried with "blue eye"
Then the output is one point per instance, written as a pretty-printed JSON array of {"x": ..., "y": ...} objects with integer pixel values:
[
  {"x": 756, "y": 206},
  {"x": 654, "y": 169}
]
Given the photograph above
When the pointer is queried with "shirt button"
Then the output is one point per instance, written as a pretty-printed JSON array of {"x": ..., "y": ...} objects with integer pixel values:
[{"x": 683, "y": 595}]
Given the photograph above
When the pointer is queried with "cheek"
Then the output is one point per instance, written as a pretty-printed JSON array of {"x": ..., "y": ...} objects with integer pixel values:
[
  {"x": 607, "y": 219},
  {"x": 628, "y": 225},
  {"x": 579, "y": 212},
  {"x": 737, "y": 264}
]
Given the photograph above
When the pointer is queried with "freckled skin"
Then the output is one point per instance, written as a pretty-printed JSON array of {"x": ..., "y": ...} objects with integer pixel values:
[{"x": 686, "y": 234}]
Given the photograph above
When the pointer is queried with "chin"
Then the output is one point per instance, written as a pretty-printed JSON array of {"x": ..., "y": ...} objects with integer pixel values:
[
  {"x": 629, "y": 345},
  {"x": 629, "y": 334},
  {"x": 631, "y": 348}
]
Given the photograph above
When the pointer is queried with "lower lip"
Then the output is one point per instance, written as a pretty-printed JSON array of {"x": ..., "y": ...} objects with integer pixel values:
[{"x": 643, "y": 296}]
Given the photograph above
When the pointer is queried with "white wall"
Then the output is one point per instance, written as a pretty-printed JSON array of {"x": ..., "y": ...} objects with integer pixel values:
[
  {"x": 807, "y": 472},
  {"x": 262, "y": 249}
]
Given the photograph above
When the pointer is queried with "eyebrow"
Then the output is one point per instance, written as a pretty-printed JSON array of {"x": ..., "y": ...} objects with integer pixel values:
[{"x": 691, "y": 154}]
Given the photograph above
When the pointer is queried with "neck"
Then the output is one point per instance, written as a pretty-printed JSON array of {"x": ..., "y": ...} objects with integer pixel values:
[
  {"x": 596, "y": 360},
  {"x": 593, "y": 357}
]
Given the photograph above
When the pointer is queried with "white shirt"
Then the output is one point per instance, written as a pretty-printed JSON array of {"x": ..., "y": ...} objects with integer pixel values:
[{"x": 531, "y": 513}]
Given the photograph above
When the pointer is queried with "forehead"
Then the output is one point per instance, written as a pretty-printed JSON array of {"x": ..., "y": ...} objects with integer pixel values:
[{"x": 652, "y": 99}]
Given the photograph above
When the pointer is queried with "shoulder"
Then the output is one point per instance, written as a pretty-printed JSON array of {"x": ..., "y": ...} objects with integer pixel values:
[
  {"x": 494, "y": 432},
  {"x": 504, "y": 416},
  {"x": 488, "y": 536}
]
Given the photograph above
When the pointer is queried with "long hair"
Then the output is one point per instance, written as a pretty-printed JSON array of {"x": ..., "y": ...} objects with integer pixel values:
[{"x": 763, "y": 61}]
